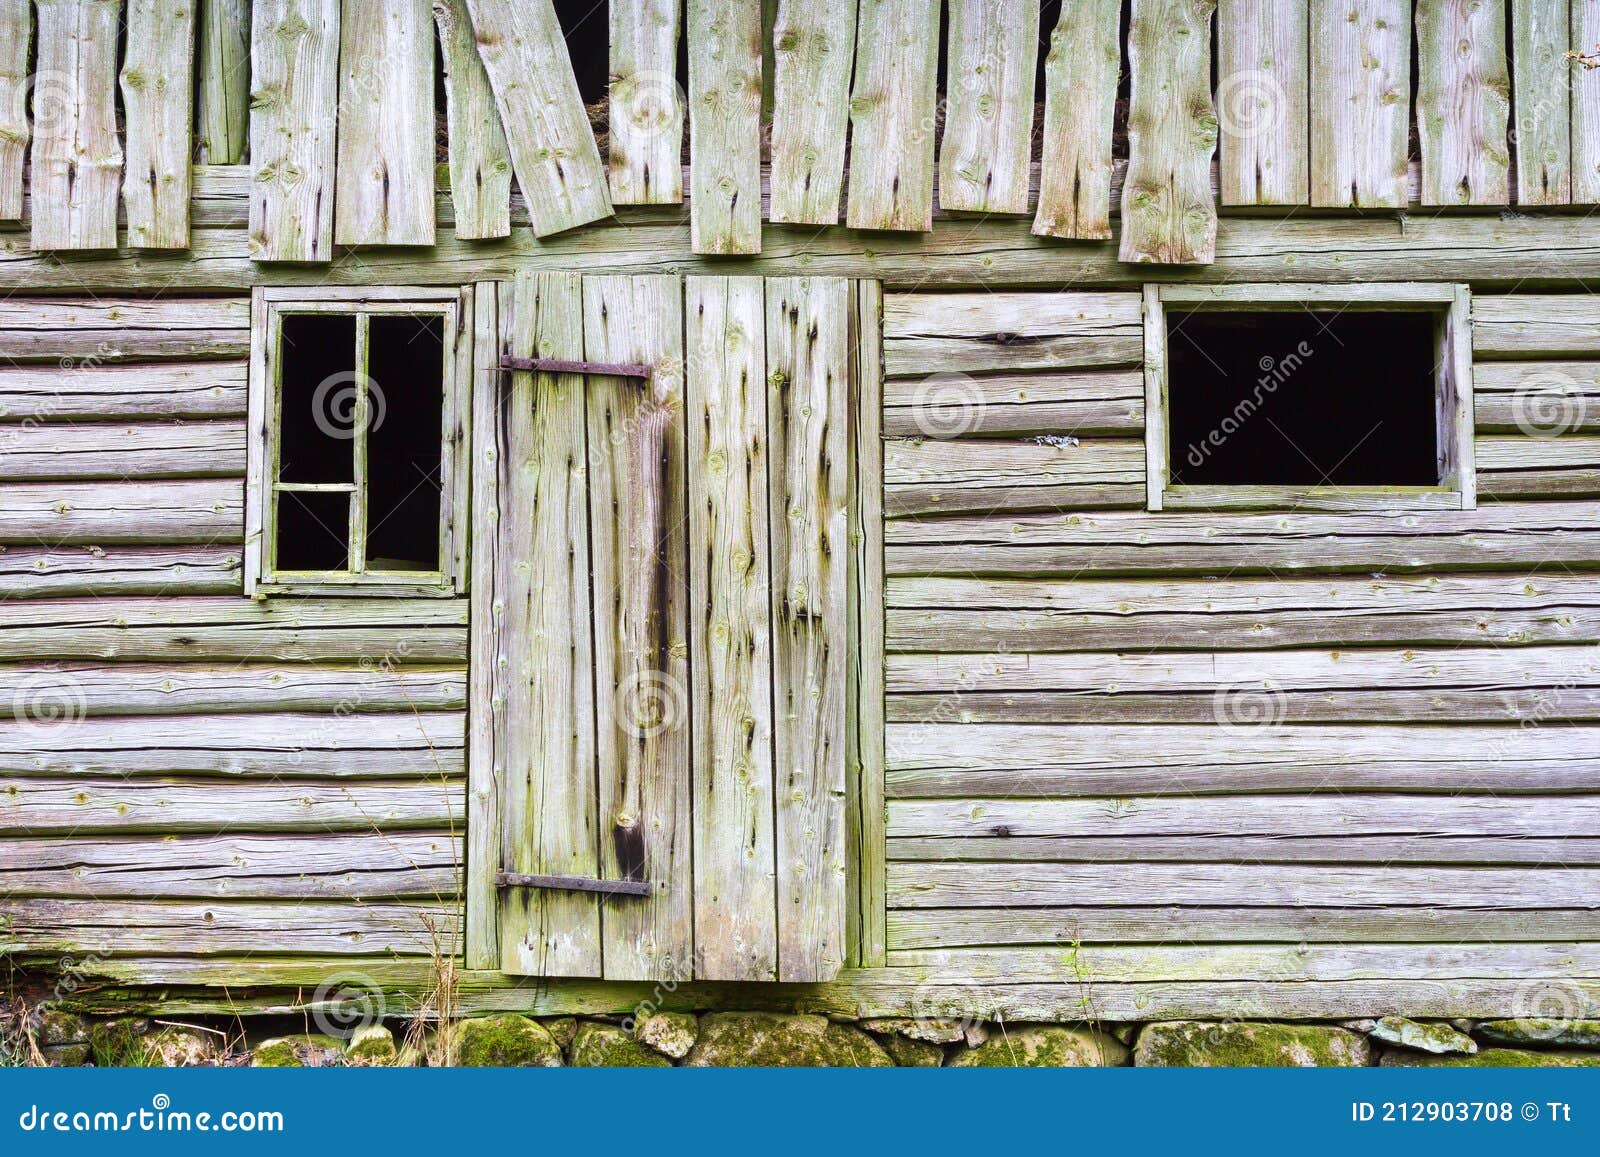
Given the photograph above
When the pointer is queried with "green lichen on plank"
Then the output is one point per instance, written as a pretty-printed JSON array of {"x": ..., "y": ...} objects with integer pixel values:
[
  {"x": 1043, "y": 1046},
  {"x": 505, "y": 1041},
  {"x": 1219, "y": 1044},
  {"x": 764, "y": 1039},
  {"x": 605, "y": 1046}
]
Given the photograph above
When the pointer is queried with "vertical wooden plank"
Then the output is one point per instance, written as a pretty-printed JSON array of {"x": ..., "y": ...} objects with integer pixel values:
[
  {"x": 1080, "y": 99},
  {"x": 16, "y": 37},
  {"x": 158, "y": 112},
  {"x": 813, "y": 49},
  {"x": 809, "y": 331},
  {"x": 637, "y": 516},
  {"x": 224, "y": 112},
  {"x": 258, "y": 446},
  {"x": 1168, "y": 214},
  {"x": 294, "y": 58},
  {"x": 553, "y": 149},
  {"x": 725, "y": 127},
  {"x": 1463, "y": 102},
  {"x": 546, "y": 656},
  {"x": 1459, "y": 464},
  {"x": 1157, "y": 462},
  {"x": 456, "y": 422},
  {"x": 990, "y": 59},
  {"x": 486, "y": 768},
  {"x": 385, "y": 165},
  {"x": 870, "y": 787},
  {"x": 735, "y": 913},
  {"x": 1360, "y": 102},
  {"x": 1541, "y": 100},
  {"x": 480, "y": 159},
  {"x": 892, "y": 115},
  {"x": 645, "y": 160},
  {"x": 77, "y": 161},
  {"x": 1263, "y": 97},
  {"x": 1585, "y": 35}
]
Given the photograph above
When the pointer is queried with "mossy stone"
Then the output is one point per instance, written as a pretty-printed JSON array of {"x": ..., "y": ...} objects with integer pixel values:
[
  {"x": 505, "y": 1041},
  {"x": 179, "y": 1048},
  {"x": 1440, "y": 1039},
  {"x": 1250, "y": 1044},
  {"x": 371, "y": 1044},
  {"x": 67, "y": 1056},
  {"x": 1043, "y": 1046},
  {"x": 562, "y": 1029},
  {"x": 932, "y": 1030},
  {"x": 119, "y": 1042},
  {"x": 772, "y": 1040},
  {"x": 605, "y": 1046},
  {"x": 671, "y": 1034},
  {"x": 310, "y": 1050},
  {"x": 1493, "y": 1059},
  {"x": 912, "y": 1054},
  {"x": 54, "y": 1027},
  {"x": 1584, "y": 1034}
]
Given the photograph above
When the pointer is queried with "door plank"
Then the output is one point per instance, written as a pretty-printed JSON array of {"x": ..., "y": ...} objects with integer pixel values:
[
  {"x": 1263, "y": 90},
  {"x": 813, "y": 51},
  {"x": 988, "y": 127},
  {"x": 645, "y": 158},
  {"x": 808, "y": 366},
  {"x": 1463, "y": 102},
  {"x": 1360, "y": 101},
  {"x": 892, "y": 114},
  {"x": 736, "y": 936},
  {"x": 637, "y": 496},
  {"x": 550, "y": 803},
  {"x": 725, "y": 126}
]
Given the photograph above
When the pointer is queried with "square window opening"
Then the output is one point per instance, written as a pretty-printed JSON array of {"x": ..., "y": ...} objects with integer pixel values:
[
  {"x": 358, "y": 460},
  {"x": 1303, "y": 397}
]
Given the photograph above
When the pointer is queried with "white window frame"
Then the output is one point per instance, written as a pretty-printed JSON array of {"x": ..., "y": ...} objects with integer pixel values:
[
  {"x": 268, "y": 308},
  {"x": 1450, "y": 304}
]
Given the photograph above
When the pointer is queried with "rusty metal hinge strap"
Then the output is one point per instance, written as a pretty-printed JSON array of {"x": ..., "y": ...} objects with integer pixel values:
[
  {"x": 567, "y": 366},
  {"x": 573, "y": 884}
]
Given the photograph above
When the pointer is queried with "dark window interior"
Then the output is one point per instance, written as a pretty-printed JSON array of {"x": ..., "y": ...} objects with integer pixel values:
[
  {"x": 404, "y": 443},
  {"x": 1302, "y": 398},
  {"x": 318, "y": 361},
  {"x": 313, "y": 530},
  {"x": 405, "y": 449}
]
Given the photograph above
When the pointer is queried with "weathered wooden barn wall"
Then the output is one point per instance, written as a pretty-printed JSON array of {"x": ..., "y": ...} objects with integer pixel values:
[
  {"x": 183, "y": 770},
  {"x": 1325, "y": 727},
  {"x": 242, "y": 795}
]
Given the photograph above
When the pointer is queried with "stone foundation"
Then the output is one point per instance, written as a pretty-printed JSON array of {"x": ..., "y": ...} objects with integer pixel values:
[{"x": 664, "y": 1039}]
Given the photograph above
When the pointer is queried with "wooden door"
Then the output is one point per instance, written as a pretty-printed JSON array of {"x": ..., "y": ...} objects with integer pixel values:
[{"x": 659, "y": 630}]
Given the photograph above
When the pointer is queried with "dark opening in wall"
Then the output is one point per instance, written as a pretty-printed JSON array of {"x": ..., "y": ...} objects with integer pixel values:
[
  {"x": 313, "y": 530},
  {"x": 1302, "y": 398},
  {"x": 586, "y": 25},
  {"x": 405, "y": 448}
]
